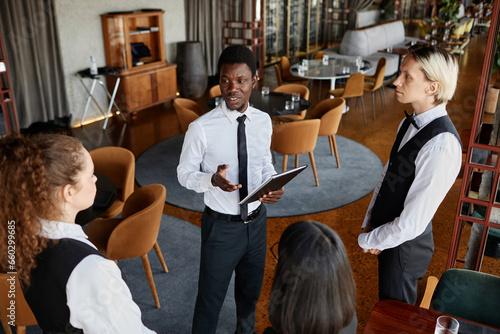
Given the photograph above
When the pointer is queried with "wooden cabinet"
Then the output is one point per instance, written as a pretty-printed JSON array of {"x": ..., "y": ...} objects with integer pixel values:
[{"x": 134, "y": 45}]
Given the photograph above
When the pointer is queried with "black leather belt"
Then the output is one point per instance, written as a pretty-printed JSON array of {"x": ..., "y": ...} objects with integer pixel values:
[{"x": 232, "y": 218}]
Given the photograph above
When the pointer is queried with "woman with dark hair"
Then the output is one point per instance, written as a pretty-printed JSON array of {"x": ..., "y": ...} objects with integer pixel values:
[
  {"x": 70, "y": 287},
  {"x": 313, "y": 290}
]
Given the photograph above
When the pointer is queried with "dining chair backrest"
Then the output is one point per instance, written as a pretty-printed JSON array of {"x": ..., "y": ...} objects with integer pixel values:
[
  {"x": 187, "y": 111},
  {"x": 141, "y": 217},
  {"x": 118, "y": 164},
  {"x": 329, "y": 111},
  {"x": 278, "y": 74},
  {"x": 285, "y": 68},
  {"x": 468, "y": 26},
  {"x": 380, "y": 73},
  {"x": 295, "y": 137},
  {"x": 458, "y": 31},
  {"x": 294, "y": 88},
  {"x": 354, "y": 86},
  {"x": 470, "y": 295},
  {"x": 319, "y": 55},
  {"x": 23, "y": 314},
  {"x": 214, "y": 91}
]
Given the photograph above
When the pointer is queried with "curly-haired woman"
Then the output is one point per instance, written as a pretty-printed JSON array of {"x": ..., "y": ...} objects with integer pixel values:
[{"x": 71, "y": 287}]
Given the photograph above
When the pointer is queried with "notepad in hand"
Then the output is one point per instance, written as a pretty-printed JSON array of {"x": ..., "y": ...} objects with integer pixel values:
[{"x": 273, "y": 183}]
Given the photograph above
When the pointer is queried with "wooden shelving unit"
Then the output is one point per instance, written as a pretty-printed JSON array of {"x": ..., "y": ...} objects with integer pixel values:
[
  {"x": 134, "y": 45},
  {"x": 479, "y": 201},
  {"x": 242, "y": 24},
  {"x": 293, "y": 28},
  {"x": 8, "y": 115}
]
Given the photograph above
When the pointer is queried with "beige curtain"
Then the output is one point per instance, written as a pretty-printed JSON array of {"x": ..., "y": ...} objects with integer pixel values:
[
  {"x": 30, "y": 38},
  {"x": 204, "y": 24},
  {"x": 354, "y": 7}
]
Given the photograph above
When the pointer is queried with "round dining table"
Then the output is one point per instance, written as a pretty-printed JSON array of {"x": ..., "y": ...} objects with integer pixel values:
[{"x": 340, "y": 68}]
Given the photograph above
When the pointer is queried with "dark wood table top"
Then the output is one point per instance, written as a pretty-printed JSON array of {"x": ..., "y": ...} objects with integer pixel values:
[
  {"x": 390, "y": 316},
  {"x": 273, "y": 104},
  {"x": 105, "y": 196}
]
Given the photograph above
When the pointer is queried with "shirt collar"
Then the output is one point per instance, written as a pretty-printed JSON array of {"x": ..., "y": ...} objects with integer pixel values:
[
  {"x": 430, "y": 115},
  {"x": 232, "y": 115},
  {"x": 60, "y": 230}
]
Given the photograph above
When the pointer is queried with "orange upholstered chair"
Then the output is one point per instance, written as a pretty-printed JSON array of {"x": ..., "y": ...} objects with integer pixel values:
[
  {"x": 286, "y": 74},
  {"x": 290, "y": 89},
  {"x": 135, "y": 233},
  {"x": 376, "y": 82},
  {"x": 329, "y": 112},
  {"x": 24, "y": 316},
  {"x": 278, "y": 75},
  {"x": 214, "y": 91},
  {"x": 294, "y": 138},
  {"x": 319, "y": 55},
  {"x": 354, "y": 87},
  {"x": 118, "y": 164},
  {"x": 187, "y": 111}
]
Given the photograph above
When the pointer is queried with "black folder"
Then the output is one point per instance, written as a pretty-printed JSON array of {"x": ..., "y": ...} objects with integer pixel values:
[{"x": 275, "y": 182}]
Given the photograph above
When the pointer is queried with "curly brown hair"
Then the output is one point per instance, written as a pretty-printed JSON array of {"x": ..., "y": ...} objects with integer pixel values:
[{"x": 30, "y": 171}]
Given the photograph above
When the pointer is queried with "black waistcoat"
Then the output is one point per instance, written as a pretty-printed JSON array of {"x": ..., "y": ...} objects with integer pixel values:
[
  {"x": 401, "y": 171},
  {"x": 46, "y": 294}
]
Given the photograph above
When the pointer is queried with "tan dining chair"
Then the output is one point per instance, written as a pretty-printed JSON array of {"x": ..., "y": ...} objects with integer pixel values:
[
  {"x": 118, "y": 164},
  {"x": 286, "y": 73},
  {"x": 294, "y": 138},
  {"x": 135, "y": 233},
  {"x": 329, "y": 112},
  {"x": 187, "y": 111},
  {"x": 319, "y": 55},
  {"x": 24, "y": 315},
  {"x": 376, "y": 82},
  {"x": 278, "y": 75},
  {"x": 214, "y": 91},
  {"x": 354, "y": 87},
  {"x": 290, "y": 89}
]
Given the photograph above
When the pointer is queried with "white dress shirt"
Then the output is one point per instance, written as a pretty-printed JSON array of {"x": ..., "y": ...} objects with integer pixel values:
[
  {"x": 436, "y": 168},
  {"x": 211, "y": 140},
  {"x": 99, "y": 300}
]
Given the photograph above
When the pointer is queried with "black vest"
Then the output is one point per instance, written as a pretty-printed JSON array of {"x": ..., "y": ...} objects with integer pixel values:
[
  {"x": 46, "y": 294},
  {"x": 401, "y": 172}
]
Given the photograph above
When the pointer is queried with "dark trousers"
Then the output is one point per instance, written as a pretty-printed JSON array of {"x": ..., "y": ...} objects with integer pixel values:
[
  {"x": 226, "y": 247},
  {"x": 400, "y": 268}
]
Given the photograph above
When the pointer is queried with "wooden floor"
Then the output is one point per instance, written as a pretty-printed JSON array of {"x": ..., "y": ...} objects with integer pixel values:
[{"x": 155, "y": 124}]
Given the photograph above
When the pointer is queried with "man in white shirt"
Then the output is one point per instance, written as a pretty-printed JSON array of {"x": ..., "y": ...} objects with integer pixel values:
[
  {"x": 423, "y": 165},
  {"x": 234, "y": 237}
]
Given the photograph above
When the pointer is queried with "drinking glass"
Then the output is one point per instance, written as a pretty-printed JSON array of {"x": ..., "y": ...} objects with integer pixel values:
[
  {"x": 295, "y": 97},
  {"x": 288, "y": 105},
  {"x": 446, "y": 325},
  {"x": 218, "y": 100},
  {"x": 265, "y": 90},
  {"x": 325, "y": 60}
]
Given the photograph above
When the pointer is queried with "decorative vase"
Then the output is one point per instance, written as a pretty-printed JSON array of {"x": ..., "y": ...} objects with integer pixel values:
[{"x": 192, "y": 76}]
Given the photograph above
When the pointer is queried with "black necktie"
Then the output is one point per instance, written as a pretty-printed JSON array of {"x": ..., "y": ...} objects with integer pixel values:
[
  {"x": 401, "y": 133},
  {"x": 412, "y": 120},
  {"x": 242, "y": 162}
]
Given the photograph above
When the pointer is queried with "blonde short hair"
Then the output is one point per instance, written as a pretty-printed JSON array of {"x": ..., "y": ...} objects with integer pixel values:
[{"x": 438, "y": 65}]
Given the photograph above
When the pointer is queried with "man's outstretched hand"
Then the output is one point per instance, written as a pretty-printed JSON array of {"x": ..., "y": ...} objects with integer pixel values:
[{"x": 219, "y": 179}]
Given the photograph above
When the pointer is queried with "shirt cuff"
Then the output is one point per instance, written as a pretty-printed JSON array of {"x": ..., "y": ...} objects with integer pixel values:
[
  {"x": 206, "y": 180},
  {"x": 362, "y": 241}
]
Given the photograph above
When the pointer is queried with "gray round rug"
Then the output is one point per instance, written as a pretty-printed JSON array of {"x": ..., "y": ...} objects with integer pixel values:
[{"x": 359, "y": 173}]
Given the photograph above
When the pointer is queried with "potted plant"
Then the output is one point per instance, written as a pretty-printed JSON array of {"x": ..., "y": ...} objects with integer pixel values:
[{"x": 449, "y": 10}]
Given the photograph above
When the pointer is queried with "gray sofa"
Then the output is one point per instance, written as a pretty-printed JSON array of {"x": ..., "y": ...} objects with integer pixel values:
[{"x": 367, "y": 41}]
